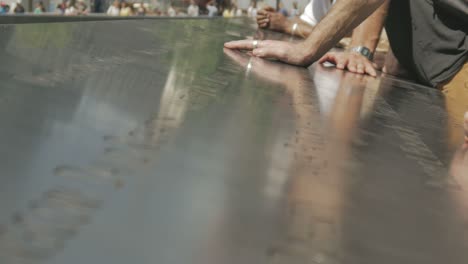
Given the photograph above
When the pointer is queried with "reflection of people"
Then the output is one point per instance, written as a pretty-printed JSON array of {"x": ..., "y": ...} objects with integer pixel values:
[
  {"x": 417, "y": 31},
  {"x": 316, "y": 191},
  {"x": 459, "y": 165}
]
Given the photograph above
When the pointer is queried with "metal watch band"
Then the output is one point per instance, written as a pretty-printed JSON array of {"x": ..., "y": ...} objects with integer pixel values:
[{"x": 364, "y": 51}]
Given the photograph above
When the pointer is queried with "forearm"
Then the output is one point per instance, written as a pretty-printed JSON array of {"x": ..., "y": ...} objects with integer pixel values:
[
  {"x": 342, "y": 18},
  {"x": 368, "y": 33},
  {"x": 303, "y": 30}
]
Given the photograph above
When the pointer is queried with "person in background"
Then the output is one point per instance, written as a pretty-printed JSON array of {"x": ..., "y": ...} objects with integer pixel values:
[
  {"x": 71, "y": 9},
  {"x": 39, "y": 8},
  {"x": 82, "y": 8},
  {"x": 126, "y": 9},
  {"x": 228, "y": 12},
  {"x": 171, "y": 11},
  {"x": 140, "y": 9},
  {"x": 239, "y": 12},
  {"x": 60, "y": 9},
  {"x": 283, "y": 10},
  {"x": 19, "y": 9},
  {"x": 294, "y": 11},
  {"x": 193, "y": 10},
  {"x": 114, "y": 9},
  {"x": 252, "y": 10},
  {"x": 4, "y": 8},
  {"x": 212, "y": 9}
]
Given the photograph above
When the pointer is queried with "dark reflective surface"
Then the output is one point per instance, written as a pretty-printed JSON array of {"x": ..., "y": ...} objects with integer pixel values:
[{"x": 146, "y": 142}]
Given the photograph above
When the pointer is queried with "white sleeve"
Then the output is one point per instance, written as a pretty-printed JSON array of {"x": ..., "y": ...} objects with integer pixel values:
[{"x": 315, "y": 11}]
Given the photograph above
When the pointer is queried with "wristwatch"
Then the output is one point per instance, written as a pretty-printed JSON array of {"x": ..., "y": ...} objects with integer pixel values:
[{"x": 364, "y": 51}]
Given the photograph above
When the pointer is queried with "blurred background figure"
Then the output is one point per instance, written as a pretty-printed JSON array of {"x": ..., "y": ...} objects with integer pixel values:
[
  {"x": 4, "y": 8},
  {"x": 171, "y": 11},
  {"x": 82, "y": 8},
  {"x": 239, "y": 12},
  {"x": 39, "y": 8},
  {"x": 282, "y": 10},
  {"x": 60, "y": 9},
  {"x": 114, "y": 9},
  {"x": 140, "y": 9},
  {"x": 294, "y": 11},
  {"x": 230, "y": 12},
  {"x": 98, "y": 6},
  {"x": 252, "y": 10},
  {"x": 71, "y": 9},
  {"x": 212, "y": 9},
  {"x": 19, "y": 9},
  {"x": 193, "y": 9},
  {"x": 126, "y": 9}
]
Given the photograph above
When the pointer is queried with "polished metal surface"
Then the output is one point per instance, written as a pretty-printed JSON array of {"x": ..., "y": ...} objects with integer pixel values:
[{"x": 146, "y": 142}]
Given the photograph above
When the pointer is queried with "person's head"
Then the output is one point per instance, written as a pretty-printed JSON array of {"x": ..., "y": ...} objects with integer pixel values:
[
  {"x": 192, "y": 2},
  {"x": 116, "y": 4}
]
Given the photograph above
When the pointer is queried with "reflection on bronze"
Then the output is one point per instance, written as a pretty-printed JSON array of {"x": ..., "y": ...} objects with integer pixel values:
[{"x": 145, "y": 142}]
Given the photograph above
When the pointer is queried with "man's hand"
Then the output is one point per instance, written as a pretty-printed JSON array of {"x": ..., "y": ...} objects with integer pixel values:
[
  {"x": 269, "y": 19},
  {"x": 350, "y": 61},
  {"x": 291, "y": 53}
]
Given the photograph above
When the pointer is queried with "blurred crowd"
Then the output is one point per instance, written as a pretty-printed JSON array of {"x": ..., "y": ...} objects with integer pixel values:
[{"x": 193, "y": 8}]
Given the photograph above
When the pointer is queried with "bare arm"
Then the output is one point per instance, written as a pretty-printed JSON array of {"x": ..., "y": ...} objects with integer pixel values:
[
  {"x": 367, "y": 34},
  {"x": 342, "y": 18}
]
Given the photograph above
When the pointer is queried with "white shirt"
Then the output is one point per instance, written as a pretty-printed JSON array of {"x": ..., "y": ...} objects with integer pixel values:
[
  {"x": 252, "y": 11},
  {"x": 171, "y": 12},
  {"x": 316, "y": 10},
  {"x": 70, "y": 11},
  {"x": 113, "y": 11},
  {"x": 192, "y": 10},
  {"x": 212, "y": 10}
]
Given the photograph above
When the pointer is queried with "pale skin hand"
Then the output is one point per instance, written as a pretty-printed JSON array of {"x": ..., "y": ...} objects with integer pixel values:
[
  {"x": 351, "y": 61},
  {"x": 342, "y": 18},
  {"x": 367, "y": 34},
  {"x": 291, "y": 53},
  {"x": 268, "y": 19}
]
